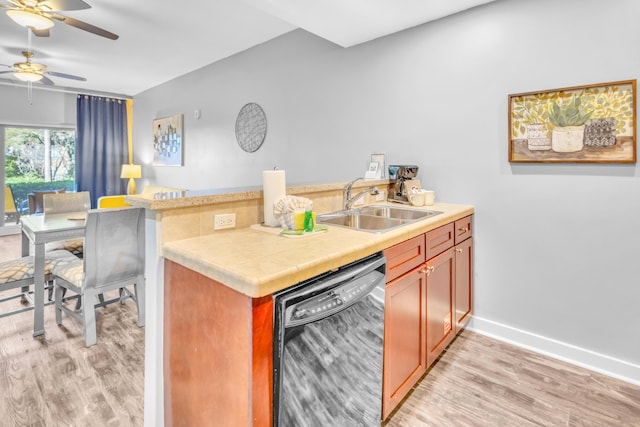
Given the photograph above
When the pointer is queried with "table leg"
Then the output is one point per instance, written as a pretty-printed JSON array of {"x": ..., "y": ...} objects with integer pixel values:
[
  {"x": 25, "y": 252},
  {"x": 38, "y": 290},
  {"x": 25, "y": 244}
]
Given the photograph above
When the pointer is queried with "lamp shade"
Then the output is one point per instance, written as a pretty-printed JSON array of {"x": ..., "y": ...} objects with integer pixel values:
[
  {"x": 131, "y": 171},
  {"x": 28, "y": 76},
  {"x": 30, "y": 19}
]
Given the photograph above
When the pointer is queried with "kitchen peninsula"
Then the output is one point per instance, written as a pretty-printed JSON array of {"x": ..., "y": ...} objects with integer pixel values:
[{"x": 218, "y": 309}]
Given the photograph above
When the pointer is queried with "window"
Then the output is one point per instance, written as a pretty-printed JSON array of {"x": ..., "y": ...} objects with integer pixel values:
[{"x": 36, "y": 158}]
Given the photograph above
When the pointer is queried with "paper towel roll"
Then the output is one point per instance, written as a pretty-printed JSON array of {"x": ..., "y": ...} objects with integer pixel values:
[{"x": 274, "y": 187}]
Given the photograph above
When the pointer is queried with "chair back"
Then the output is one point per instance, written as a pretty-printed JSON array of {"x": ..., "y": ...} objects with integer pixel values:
[
  {"x": 9, "y": 202},
  {"x": 108, "y": 202},
  {"x": 113, "y": 246},
  {"x": 10, "y": 211},
  {"x": 36, "y": 200},
  {"x": 67, "y": 202}
]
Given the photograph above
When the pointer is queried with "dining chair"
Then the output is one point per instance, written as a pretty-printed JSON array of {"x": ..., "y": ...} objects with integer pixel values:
[
  {"x": 58, "y": 203},
  {"x": 113, "y": 259},
  {"x": 108, "y": 202},
  {"x": 10, "y": 211},
  {"x": 36, "y": 200},
  {"x": 18, "y": 273},
  {"x": 55, "y": 203}
]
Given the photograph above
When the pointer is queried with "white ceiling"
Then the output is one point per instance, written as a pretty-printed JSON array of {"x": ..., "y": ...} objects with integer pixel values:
[{"x": 161, "y": 39}]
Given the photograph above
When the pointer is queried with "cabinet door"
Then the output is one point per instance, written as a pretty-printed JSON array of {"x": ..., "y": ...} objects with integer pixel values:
[
  {"x": 464, "y": 282},
  {"x": 404, "y": 337},
  {"x": 440, "y": 303}
]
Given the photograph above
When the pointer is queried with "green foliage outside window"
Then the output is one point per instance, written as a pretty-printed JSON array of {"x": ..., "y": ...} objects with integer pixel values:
[{"x": 38, "y": 159}]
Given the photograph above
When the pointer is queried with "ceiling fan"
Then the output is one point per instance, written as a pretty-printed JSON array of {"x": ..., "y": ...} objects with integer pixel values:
[
  {"x": 30, "y": 72},
  {"x": 38, "y": 15}
]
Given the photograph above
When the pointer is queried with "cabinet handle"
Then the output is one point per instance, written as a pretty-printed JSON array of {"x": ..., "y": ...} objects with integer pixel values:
[
  {"x": 459, "y": 250},
  {"x": 463, "y": 229},
  {"x": 428, "y": 269}
]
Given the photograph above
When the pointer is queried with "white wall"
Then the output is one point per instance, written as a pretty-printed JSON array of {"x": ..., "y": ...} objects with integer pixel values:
[
  {"x": 48, "y": 108},
  {"x": 556, "y": 267}
]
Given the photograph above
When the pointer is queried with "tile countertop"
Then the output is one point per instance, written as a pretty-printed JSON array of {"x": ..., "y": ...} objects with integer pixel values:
[{"x": 258, "y": 263}]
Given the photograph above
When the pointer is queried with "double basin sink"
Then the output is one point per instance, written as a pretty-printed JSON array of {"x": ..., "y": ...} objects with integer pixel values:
[{"x": 375, "y": 218}]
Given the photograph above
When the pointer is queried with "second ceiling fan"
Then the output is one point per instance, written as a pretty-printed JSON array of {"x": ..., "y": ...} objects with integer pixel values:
[
  {"x": 38, "y": 15},
  {"x": 28, "y": 71}
]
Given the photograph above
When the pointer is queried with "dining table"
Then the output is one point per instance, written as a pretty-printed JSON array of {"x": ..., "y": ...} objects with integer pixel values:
[{"x": 37, "y": 230}]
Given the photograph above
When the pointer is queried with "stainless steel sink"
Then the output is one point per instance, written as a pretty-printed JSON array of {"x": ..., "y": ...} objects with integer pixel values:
[
  {"x": 375, "y": 218},
  {"x": 397, "y": 213}
]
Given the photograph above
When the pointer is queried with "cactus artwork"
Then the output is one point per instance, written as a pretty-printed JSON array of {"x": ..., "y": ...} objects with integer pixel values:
[{"x": 594, "y": 123}]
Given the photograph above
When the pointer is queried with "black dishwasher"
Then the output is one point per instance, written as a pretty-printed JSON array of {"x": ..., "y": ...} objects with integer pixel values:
[{"x": 328, "y": 347}]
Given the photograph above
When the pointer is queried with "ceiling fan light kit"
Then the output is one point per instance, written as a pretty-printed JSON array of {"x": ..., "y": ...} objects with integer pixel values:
[
  {"x": 39, "y": 16},
  {"x": 30, "y": 19},
  {"x": 28, "y": 76}
]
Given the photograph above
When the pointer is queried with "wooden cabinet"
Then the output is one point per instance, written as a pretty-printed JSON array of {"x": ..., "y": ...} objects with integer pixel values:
[
  {"x": 404, "y": 337},
  {"x": 218, "y": 353},
  {"x": 439, "y": 240},
  {"x": 440, "y": 272},
  {"x": 428, "y": 300},
  {"x": 404, "y": 257},
  {"x": 464, "y": 271}
]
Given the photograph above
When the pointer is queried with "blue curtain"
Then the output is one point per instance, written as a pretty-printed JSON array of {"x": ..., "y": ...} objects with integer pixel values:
[{"x": 101, "y": 146}]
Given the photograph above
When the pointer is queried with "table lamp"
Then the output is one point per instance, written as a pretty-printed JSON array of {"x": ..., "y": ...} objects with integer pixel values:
[{"x": 131, "y": 171}]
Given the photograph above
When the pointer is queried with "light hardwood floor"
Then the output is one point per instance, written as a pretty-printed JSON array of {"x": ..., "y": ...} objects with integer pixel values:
[
  {"x": 53, "y": 380},
  {"x": 478, "y": 381}
]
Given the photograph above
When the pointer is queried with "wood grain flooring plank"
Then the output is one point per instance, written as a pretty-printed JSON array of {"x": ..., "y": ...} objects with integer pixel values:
[
  {"x": 480, "y": 381},
  {"x": 55, "y": 381}
]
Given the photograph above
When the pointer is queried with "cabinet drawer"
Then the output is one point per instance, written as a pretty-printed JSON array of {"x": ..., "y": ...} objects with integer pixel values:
[
  {"x": 438, "y": 240},
  {"x": 404, "y": 257},
  {"x": 463, "y": 229}
]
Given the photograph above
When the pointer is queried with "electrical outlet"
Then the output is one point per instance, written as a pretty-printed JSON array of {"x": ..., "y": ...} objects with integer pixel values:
[
  {"x": 359, "y": 201},
  {"x": 380, "y": 196},
  {"x": 222, "y": 221}
]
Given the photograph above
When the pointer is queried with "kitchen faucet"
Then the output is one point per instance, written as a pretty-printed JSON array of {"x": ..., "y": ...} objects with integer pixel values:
[{"x": 348, "y": 200}]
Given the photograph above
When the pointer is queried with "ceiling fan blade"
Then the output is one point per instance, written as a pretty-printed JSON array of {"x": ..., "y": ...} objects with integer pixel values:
[
  {"x": 46, "y": 81},
  {"x": 84, "y": 26},
  {"x": 5, "y": 72},
  {"x": 40, "y": 33},
  {"x": 59, "y": 5},
  {"x": 65, "y": 76}
]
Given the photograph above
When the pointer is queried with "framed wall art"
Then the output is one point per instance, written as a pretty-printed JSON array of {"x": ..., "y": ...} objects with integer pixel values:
[
  {"x": 581, "y": 124},
  {"x": 168, "y": 141}
]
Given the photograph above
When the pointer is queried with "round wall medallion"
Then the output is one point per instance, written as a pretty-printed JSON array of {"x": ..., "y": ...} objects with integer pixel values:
[{"x": 251, "y": 127}]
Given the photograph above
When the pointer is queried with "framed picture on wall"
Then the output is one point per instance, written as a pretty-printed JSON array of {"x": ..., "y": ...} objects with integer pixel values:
[
  {"x": 168, "y": 141},
  {"x": 581, "y": 124}
]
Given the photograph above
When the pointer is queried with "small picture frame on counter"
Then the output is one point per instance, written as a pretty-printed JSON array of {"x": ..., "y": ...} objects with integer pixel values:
[{"x": 373, "y": 172}]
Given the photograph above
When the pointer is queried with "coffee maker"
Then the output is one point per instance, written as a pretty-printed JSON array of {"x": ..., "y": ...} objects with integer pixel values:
[{"x": 398, "y": 174}]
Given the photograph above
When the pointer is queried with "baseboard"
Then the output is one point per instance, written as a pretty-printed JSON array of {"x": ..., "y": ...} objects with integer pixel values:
[
  {"x": 588, "y": 359},
  {"x": 8, "y": 230}
]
